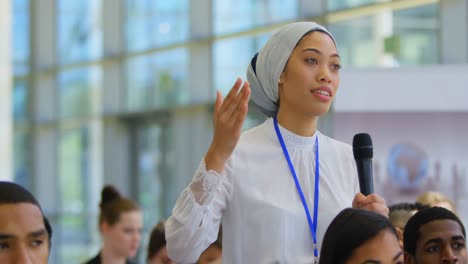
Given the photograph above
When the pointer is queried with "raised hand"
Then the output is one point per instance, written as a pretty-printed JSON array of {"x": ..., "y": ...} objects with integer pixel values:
[{"x": 229, "y": 115}]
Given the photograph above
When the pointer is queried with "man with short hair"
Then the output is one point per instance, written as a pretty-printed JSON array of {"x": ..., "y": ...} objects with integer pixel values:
[
  {"x": 25, "y": 233},
  {"x": 400, "y": 213},
  {"x": 434, "y": 235}
]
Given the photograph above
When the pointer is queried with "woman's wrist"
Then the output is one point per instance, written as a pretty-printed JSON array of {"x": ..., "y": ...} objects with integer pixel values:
[{"x": 214, "y": 161}]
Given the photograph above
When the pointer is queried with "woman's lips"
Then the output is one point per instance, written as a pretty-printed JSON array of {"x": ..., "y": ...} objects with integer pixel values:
[{"x": 324, "y": 94}]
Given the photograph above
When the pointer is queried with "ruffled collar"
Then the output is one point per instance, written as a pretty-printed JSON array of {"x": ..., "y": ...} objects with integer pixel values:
[{"x": 291, "y": 139}]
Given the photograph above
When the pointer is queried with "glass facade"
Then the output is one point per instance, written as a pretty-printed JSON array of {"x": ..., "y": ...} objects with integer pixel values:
[
  {"x": 390, "y": 38},
  {"x": 150, "y": 78},
  {"x": 230, "y": 57},
  {"x": 21, "y": 92},
  {"x": 76, "y": 90},
  {"x": 21, "y": 37},
  {"x": 75, "y": 221},
  {"x": 156, "y": 81},
  {"x": 79, "y": 33},
  {"x": 416, "y": 34},
  {"x": 238, "y": 15},
  {"x": 154, "y": 23},
  {"x": 335, "y": 5}
]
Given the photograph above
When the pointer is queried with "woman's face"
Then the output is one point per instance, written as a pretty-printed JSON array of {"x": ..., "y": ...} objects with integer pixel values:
[
  {"x": 382, "y": 249},
  {"x": 311, "y": 77},
  {"x": 124, "y": 236}
]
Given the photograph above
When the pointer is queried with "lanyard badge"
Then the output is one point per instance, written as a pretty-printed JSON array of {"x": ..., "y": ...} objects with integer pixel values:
[{"x": 312, "y": 224}]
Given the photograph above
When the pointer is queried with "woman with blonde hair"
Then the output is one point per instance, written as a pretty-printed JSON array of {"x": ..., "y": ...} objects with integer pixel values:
[{"x": 432, "y": 199}]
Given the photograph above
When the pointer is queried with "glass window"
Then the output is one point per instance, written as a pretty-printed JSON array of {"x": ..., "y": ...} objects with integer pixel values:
[
  {"x": 150, "y": 172},
  {"x": 77, "y": 90},
  {"x": 158, "y": 81},
  {"x": 20, "y": 36},
  {"x": 333, "y": 5},
  {"x": 390, "y": 38},
  {"x": 237, "y": 15},
  {"x": 20, "y": 101},
  {"x": 154, "y": 178},
  {"x": 21, "y": 147},
  {"x": 152, "y": 23},
  {"x": 79, "y": 30},
  {"x": 76, "y": 223},
  {"x": 356, "y": 42},
  {"x": 232, "y": 57},
  {"x": 415, "y": 35}
]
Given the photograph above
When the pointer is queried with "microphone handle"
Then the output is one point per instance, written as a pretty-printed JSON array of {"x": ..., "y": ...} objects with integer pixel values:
[{"x": 366, "y": 183}]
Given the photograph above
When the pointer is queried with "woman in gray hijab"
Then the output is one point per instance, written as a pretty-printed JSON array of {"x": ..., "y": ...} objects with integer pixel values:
[{"x": 276, "y": 187}]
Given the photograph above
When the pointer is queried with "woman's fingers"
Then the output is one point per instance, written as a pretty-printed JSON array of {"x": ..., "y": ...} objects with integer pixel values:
[
  {"x": 240, "y": 112},
  {"x": 372, "y": 202},
  {"x": 219, "y": 101},
  {"x": 233, "y": 103},
  {"x": 228, "y": 118},
  {"x": 231, "y": 95}
]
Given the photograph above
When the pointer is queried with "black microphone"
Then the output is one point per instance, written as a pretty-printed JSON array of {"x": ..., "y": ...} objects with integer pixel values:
[{"x": 363, "y": 152}]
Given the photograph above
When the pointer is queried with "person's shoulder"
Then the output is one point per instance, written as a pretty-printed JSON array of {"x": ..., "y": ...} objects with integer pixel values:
[
  {"x": 333, "y": 141},
  {"x": 335, "y": 144},
  {"x": 255, "y": 133},
  {"x": 254, "y": 141},
  {"x": 95, "y": 260}
]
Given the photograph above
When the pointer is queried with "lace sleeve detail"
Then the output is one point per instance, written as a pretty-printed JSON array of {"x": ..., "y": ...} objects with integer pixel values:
[{"x": 204, "y": 184}]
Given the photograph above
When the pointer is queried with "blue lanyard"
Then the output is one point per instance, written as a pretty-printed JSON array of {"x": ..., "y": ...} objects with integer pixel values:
[{"x": 312, "y": 225}]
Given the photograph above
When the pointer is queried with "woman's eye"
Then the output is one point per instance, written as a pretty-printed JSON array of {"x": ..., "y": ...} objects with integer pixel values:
[
  {"x": 336, "y": 67},
  {"x": 37, "y": 243},
  {"x": 311, "y": 60}
]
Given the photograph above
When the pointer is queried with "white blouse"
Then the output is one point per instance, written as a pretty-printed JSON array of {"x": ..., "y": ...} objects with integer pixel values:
[{"x": 262, "y": 216}]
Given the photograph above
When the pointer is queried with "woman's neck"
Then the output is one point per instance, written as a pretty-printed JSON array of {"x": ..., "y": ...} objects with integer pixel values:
[
  {"x": 301, "y": 125},
  {"x": 109, "y": 257}
]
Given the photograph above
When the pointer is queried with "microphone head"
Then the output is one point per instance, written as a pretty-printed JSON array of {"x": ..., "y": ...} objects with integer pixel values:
[{"x": 362, "y": 146}]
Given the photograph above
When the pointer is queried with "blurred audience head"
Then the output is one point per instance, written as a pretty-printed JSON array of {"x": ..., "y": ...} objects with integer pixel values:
[
  {"x": 436, "y": 199},
  {"x": 120, "y": 223},
  {"x": 359, "y": 236},
  {"x": 157, "y": 252},
  {"x": 399, "y": 215},
  {"x": 213, "y": 254},
  {"x": 25, "y": 233},
  {"x": 435, "y": 235}
]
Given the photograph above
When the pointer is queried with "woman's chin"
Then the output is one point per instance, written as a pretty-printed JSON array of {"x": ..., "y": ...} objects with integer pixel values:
[
  {"x": 132, "y": 253},
  {"x": 319, "y": 111}
]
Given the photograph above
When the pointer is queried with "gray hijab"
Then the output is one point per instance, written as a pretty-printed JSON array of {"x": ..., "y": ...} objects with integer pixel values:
[{"x": 267, "y": 65}]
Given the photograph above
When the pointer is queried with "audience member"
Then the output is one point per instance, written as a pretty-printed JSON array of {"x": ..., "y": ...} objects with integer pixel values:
[
  {"x": 213, "y": 254},
  {"x": 359, "y": 236},
  {"x": 120, "y": 224},
  {"x": 434, "y": 235},
  {"x": 436, "y": 199},
  {"x": 399, "y": 215},
  {"x": 157, "y": 251},
  {"x": 25, "y": 233}
]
